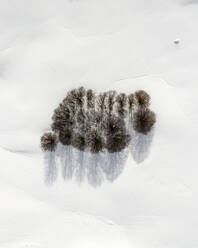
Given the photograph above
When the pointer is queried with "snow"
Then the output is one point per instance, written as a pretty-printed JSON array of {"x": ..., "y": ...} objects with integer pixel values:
[{"x": 48, "y": 47}]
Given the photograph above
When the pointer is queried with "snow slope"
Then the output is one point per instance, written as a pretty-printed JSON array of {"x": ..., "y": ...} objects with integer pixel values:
[{"x": 47, "y": 48}]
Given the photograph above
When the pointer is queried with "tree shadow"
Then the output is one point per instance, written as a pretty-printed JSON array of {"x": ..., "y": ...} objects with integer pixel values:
[
  {"x": 140, "y": 145},
  {"x": 51, "y": 171},
  {"x": 79, "y": 165},
  {"x": 84, "y": 165},
  {"x": 114, "y": 164},
  {"x": 98, "y": 167},
  {"x": 95, "y": 174},
  {"x": 65, "y": 154}
]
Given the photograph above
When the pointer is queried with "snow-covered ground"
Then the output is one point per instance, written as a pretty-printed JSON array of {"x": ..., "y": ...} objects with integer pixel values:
[{"x": 48, "y": 47}]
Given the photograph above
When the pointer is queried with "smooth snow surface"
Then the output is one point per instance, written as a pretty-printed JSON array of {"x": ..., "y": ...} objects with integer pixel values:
[{"x": 48, "y": 47}]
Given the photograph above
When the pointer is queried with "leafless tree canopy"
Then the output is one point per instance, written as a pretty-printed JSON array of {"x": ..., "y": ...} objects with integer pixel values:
[
  {"x": 78, "y": 141},
  {"x": 113, "y": 124},
  {"x": 143, "y": 120},
  {"x": 131, "y": 101},
  {"x": 142, "y": 98},
  {"x": 49, "y": 142},
  {"x": 117, "y": 142},
  {"x": 111, "y": 98},
  {"x": 121, "y": 100},
  {"x": 102, "y": 102},
  {"x": 80, "y": 93},
  {"x": 94, "y": 122},
  {"x": 65, "y": 137},
  {"x": 63, "y": 118},
  {"x": 90, "y": 98},
  {"x": 95, "y": 141}
]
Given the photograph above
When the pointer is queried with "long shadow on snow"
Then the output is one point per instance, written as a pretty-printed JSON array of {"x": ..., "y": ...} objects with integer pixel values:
[
  {"x": 95, "y": 168},
  {"x": 140, "y": 145}
]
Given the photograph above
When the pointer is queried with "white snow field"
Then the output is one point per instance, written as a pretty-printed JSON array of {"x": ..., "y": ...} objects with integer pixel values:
[{"x": 48, "y": 47}]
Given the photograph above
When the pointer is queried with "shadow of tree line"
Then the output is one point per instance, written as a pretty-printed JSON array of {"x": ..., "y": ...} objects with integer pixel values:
[{"x": 95, "y": 168}]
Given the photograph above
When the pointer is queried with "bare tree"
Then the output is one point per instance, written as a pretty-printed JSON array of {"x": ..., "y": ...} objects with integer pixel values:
[
  {"x": 62, "y": 118},
  {"x": 131, "y": 101},
  {"x": 102, "y": 102},
  {"x": 121, "y": 100},
  {"x": 49, "y": 142},
  {"x": 79, "y": 97},
  {"x": 90, "y": 99},
  {"x": 113, "y": 124},
  {"x": 142, "y": 98},
  {"x": 116, "y": 135},
  {"x": 111, "y": 99},
  {"x": 95, "y": 141},
  {"x": 144, "y": 120},
  {"x": 65, "y": 136},
  {"x": 78, "y": 141},
  {"x": 117, "y": 142}
]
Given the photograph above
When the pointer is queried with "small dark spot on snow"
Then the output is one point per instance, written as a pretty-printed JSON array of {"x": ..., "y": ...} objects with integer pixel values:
[{"x": 177, "y": 41}]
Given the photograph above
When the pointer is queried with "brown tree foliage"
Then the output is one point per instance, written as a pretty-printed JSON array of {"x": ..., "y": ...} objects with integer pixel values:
[
  {"x": 111, "y": 99},
  {"x": 90, "y": 99},
  {"x": 62, "y": 118},
  {"x": 95, "y": 141},
  {"x": 79, "y": 97},
  {"x": 113, "y": 124},
  {"x": 142, "y": 98},
  {"x": 78, "y": 141},
  {"x": 49, "y": 142},
  {"x": 121, "y": 100},
  {"x": 102, "y": 102},
  {"x": 131, "y": 101},
  {"x": 65, "y": 137},
  {"x": 117, "y": 137},
  {"x": 117, "y": 142},
  {"x": 143, "y": 120}
]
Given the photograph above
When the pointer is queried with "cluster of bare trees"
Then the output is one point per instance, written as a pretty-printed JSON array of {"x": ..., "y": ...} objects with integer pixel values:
[{"x": 98, "y": 123}]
